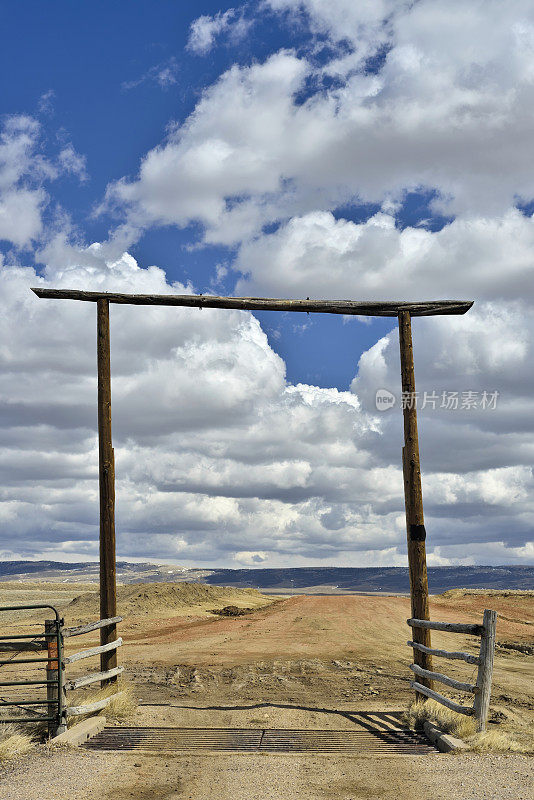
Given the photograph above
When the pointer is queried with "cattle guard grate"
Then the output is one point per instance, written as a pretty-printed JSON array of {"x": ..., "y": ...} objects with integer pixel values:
[{"x": 401, "y": 741}]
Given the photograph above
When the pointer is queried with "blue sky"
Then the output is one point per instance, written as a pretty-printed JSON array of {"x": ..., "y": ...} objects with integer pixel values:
[
  {"x": 81, "y": 59},
  {"x": 376, "y": 150}
]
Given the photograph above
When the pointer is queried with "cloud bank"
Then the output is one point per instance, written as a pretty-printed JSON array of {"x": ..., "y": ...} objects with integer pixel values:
[{"x": 220, "y": 459}]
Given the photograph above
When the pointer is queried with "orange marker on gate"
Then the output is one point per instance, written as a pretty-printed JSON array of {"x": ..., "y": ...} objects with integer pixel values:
[{"x": 53, "y": 654}]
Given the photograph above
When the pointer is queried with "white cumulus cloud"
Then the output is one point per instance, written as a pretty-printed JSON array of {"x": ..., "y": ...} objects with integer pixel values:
[
  {"x": 446, "y": 107},
  {"x": 206, "y": 29},
  {"x": 24, "y": 172}
]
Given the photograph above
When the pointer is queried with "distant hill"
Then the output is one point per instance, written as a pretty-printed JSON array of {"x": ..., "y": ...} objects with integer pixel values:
[
  {"x": 322, "y": 579},
  {"x": 376, "y": 579},
  {"x": 142, "y": 598},
  {"x": 87, "y": 571},
  {"x": 26, "y": 567}
]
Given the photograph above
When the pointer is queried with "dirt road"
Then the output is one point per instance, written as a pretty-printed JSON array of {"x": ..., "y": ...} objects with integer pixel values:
[
  {"x": 91, "y": 776},
  {"x": 311, "y": 649}
]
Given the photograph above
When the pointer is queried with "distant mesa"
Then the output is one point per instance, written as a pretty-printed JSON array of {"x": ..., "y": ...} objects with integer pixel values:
[{"x": 323, "y": 580}]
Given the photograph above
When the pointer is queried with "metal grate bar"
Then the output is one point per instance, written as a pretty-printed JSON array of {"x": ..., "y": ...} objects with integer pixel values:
[{"x": 401, "y": 741}]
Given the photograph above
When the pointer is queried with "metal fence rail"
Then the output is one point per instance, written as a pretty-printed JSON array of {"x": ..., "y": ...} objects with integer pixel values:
[
  {"x": 49, "y": 639},
  {"x": 46, "y": 648}
]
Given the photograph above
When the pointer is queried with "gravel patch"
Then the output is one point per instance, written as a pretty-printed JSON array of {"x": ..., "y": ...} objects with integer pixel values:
[{"x": 60, "y": 774}]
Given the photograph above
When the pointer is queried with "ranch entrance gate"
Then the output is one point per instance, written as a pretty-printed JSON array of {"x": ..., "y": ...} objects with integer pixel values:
[{"x": 413, "y": 498}]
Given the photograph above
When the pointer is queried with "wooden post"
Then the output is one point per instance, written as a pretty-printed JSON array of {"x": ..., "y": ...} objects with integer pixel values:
[
  {"x": 108, "y": 585},
  {"x": 52, "y": 671},
  {"x": 485, "y": 669},
  {"x": 413, "y": 500}
]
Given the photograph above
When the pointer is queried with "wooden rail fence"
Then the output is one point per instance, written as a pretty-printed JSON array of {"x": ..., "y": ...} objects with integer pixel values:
[
  {"x": 104, "y": 676},
  {"x": 482, "y": 688}
]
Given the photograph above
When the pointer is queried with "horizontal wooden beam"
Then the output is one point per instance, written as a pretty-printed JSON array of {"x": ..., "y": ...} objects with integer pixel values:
[
  {"x": 457, "y": 655},
  {"x": 90, "y": 708},
  {"x": 91, "y": 626},
  {"x": 93, "y": 651},
  {"x": 347, "y": 307},
  {"x": 450, "y": 627},
  {"x": 94, "y": 677},
  {"x": 438, "y": 676},
  {"x": 467, "y": 710}
]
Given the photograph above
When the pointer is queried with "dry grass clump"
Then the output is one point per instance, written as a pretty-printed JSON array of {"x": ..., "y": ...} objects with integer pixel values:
[
  {"x": 122, "y": 705},
  {"x": 13, "y": 743},
  {"x": 515, "y": 593},
  {"x": 464, "y": 728},
  {"x": 443, "y": 718},
  {"x": 120, "y": 708},
  {"x": 495, "y": 742}
]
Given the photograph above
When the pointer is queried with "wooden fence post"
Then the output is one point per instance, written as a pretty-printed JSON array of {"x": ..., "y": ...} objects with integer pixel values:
[
  {"x": 413, "y": 500},
  {"x": 52, "y": 670},
  {"x": 485, "y": 668},
  {"x": 108, "y": 585}
]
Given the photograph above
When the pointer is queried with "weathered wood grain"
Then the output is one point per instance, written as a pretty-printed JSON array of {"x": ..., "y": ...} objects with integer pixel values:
[
  {"x": 441, "y": 678},
  {"x": 93, "y": 651},
  {"x": 413, "y": 500},
  {"x": 108, "y": 579},
  {"x": 468, "y": 711},
  {"x": 91, "y": 626},
  {"x": 485, "y": 669},
  {"x": 451, "y": 627},
  {"x": 90, "y": 708},
  {"x": 366, "y": 308},
  {"x": 93, "y": 678},
  {"x": 458, "y": 655}
]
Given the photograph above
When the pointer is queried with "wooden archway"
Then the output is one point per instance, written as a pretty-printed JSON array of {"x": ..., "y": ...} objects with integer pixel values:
[{"x": 413, "y": 499}]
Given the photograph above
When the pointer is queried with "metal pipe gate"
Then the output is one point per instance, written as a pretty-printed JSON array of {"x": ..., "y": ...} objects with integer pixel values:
[{"x": 48, "y": 639}]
